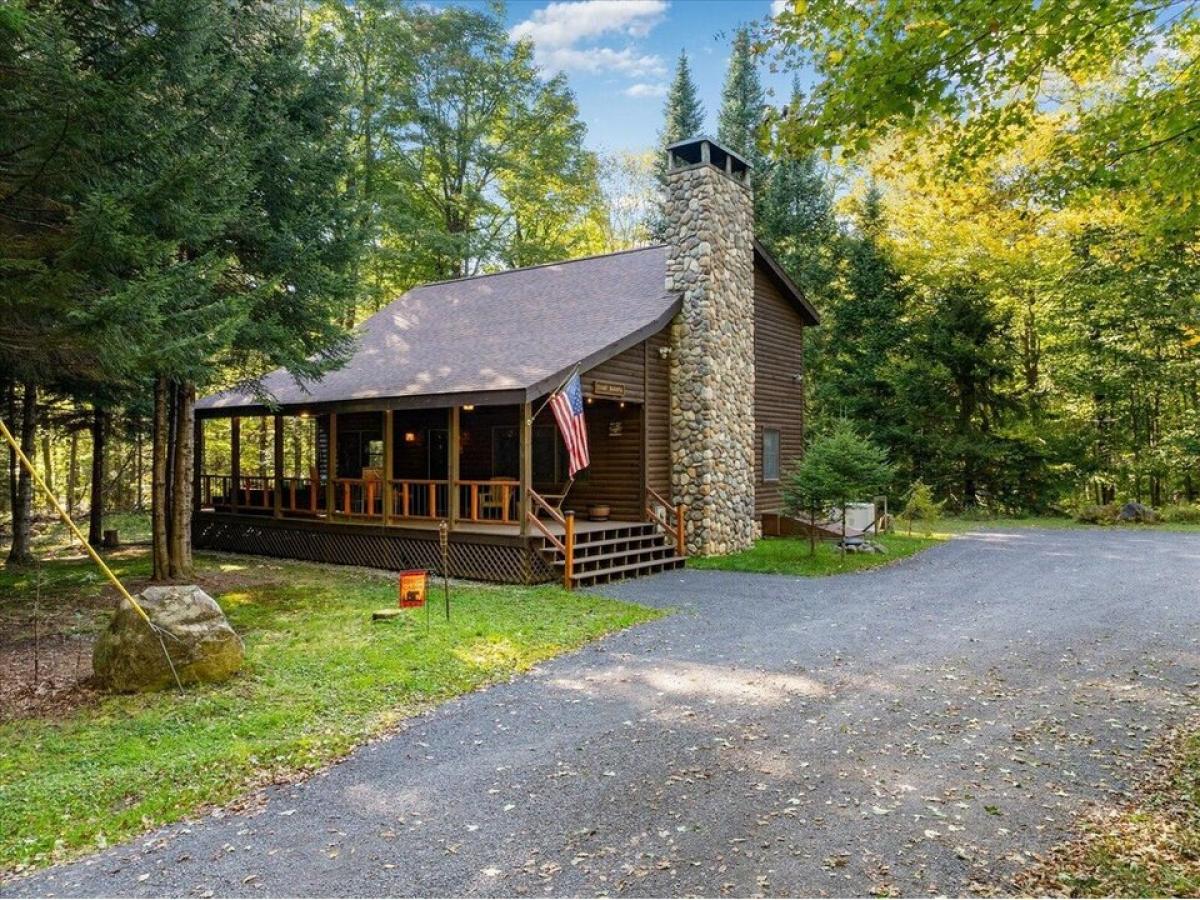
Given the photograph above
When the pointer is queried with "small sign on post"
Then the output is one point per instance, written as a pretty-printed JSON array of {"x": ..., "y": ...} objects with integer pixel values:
[
  {"x": 444, "y": 540},
  {"x": 413, "y": 587}
]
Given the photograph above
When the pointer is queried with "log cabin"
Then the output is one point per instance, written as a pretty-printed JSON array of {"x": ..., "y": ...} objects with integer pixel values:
[{"x": 691, "y": 359}]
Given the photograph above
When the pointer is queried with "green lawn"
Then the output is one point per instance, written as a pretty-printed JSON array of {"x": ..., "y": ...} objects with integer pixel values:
[
  {"x": 962, "y": 524},
  {"x": 320, "y": 678},
  {"x": 790, "y": 556},
  {"x": 1147, "y": 848}
]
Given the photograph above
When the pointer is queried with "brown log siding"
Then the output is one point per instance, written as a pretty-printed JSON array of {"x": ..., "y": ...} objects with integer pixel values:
[
  {"x": 778, "y": 397},
  {"x": 658, "y": 414}
]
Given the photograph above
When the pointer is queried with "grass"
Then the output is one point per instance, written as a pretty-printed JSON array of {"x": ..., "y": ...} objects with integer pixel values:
[
  {"x": 790, "y": 556},
  {"x": 1149, "y": 848},
  {"x": 962, "y": 524},
  {"x": 319, "y": 679}
]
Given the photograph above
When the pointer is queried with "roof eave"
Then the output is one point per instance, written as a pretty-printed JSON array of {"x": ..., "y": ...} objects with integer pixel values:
[
  {"x": 790, "y": 289},
  {"x": 538, "y": 388}
]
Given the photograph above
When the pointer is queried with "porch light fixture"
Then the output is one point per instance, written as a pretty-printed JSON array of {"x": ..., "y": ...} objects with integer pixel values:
[
  {"x": 622, "y": 404},
  {"x": 469, "y": 407},
  {"x": 410, "y": 437}
]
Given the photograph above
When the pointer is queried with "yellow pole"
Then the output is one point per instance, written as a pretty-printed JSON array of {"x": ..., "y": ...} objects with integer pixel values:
[{"x": 66, "y": 518}]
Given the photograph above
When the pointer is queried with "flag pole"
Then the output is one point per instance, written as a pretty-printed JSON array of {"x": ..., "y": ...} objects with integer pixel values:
[{"x": 561, "y": 385}]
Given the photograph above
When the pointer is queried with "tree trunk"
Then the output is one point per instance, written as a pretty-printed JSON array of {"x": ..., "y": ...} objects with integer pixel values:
[
  {"x": 262, "y": 447},
  {"x": 843, "y": 547},
  {"x": 298, "y": 449},
  {"x": 158, "y": 477},
  {"x": 73, "y": 473},
  {"x": 96, "y": 512},
  {"x": 172, "y": 413},
  {"x": 10, "y": 401},
  {"x": 47, "y": 465},
  {"x": 180, "y": 566},
  {"x": 21, "y": 552},
  {"x": 141, "y": 474}
]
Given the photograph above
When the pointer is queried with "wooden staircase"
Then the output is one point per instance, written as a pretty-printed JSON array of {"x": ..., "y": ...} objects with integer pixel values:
[
  {"x": 626, "y": 550},
  {"x": 614, "y": 551}
]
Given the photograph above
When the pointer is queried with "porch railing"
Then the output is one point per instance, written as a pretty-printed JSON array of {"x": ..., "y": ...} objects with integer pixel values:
[
  {"x": 420, "y": 499},
  {"x": 254, "y": 491},
  {"x": 496, "y": 501},
  {"x": 564, "y": 545},
  {"x": 673, "y": 519}
]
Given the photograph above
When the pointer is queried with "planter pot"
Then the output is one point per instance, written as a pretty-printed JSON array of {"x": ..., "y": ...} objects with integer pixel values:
[{"x": 599, "y": 512}]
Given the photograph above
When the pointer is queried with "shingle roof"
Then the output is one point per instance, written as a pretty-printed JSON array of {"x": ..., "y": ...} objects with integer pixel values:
[{"x": 513, "y": 335}]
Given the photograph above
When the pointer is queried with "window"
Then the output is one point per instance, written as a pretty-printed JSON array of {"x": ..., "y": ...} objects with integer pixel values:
[{"x": 770, "y": 454}]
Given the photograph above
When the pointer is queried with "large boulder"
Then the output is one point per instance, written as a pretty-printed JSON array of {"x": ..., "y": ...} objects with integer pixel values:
[
  {"x": 129, "y": 657},
  {"x": 1136, "y": 512}
]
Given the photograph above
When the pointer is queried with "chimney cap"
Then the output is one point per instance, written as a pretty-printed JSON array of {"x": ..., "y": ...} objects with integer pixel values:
[{"x": 691, "y": 151}]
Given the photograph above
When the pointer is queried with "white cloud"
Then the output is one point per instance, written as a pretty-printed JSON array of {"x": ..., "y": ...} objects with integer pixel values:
[
  {"x": 558, "y": 30},
  {"x": 642, "y": 89},
  {"x": 601, "y": 59},
  {"x": 778, "y": 6}
]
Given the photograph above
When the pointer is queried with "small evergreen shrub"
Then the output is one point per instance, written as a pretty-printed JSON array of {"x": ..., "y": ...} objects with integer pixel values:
[
  {"x": 1181, "y": 513},
  {"x": 919, "y": 506},
  {"x": 1095, "y": 514}
]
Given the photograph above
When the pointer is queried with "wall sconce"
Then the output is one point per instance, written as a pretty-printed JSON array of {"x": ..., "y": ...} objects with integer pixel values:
[
  {"x": 303, "y": 414},
  {"x": 410, "y": 437},
  {"x": 664, "y": 352},
  {"x": 590, "y": 401},
  {"x": 621, "y": 404}
]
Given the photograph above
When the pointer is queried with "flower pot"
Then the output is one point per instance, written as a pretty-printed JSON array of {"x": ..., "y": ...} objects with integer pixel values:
[{"x": 599, "y": 512}]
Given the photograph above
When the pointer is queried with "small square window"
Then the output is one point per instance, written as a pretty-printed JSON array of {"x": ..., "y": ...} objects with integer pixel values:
[{"x": 770, "y": 454}]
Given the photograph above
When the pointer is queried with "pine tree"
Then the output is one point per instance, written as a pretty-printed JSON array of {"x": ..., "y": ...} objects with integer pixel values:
[
  {"x": 683, "y": 117},
  {"x": 862, "y": 336},
  {"x": 742, "y": 102},
  {"x": 796, "y": 221}
]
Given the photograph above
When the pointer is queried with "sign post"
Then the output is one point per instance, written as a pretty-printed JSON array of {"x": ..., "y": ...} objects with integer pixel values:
[{"x": 444, "y": 540}]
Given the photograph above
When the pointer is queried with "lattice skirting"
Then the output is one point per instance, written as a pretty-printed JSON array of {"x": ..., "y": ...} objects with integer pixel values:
[{"x": 482, "y": 558}]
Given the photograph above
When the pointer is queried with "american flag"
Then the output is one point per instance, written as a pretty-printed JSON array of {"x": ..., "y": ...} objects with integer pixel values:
[{"x": 567, "y": 404}]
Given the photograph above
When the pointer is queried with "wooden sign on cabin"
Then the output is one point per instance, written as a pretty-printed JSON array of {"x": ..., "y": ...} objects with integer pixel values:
[{"x": 608, "y": 389}]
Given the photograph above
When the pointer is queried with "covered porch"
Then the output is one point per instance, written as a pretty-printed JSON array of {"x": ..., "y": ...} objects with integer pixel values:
[{"x": 373, "y": 486}]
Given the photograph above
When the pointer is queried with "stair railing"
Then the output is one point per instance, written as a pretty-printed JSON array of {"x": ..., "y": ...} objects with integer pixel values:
[
  {"x": 674, "y": 522},
  {"x": 566, "y": 546}
]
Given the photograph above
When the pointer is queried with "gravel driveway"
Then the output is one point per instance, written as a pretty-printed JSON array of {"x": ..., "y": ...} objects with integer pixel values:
[{"x": 917, "y": 728}]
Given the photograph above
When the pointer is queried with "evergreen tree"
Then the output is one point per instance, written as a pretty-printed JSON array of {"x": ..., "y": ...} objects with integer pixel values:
[
  {"x": 742, "y": 104},
  {"x": 683, "y": 117},
  {"x": 683, "y": 114},
  {"x": 796, "y": 221},
  {"x": 863, "y": 332}
]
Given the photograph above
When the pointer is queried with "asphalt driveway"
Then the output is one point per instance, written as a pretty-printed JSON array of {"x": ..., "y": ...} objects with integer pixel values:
[{"x": 918, "y": 728}]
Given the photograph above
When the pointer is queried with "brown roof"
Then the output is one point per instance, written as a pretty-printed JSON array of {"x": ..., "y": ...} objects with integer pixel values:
[
  {"x": 502, "y": 338},
  {"x": 513, "y": 335}
]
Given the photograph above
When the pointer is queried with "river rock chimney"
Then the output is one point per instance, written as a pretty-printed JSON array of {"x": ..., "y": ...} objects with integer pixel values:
[{"x": 710, "y": 264}]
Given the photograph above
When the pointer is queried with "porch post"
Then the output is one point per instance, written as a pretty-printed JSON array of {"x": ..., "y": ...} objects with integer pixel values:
[
  {"x": 331, "y": 465},
  {"x": 197, "y": 464},
  {"x": 526, "y": 464},
  {"x": 235, "y": 461},
  {"x": 452, "y": 469},
  {"x": 389, "y": 427},
  {"x": 278, "y": 512}
]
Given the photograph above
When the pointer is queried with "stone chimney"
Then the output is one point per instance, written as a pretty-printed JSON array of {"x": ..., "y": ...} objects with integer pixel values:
[{"x": 710, "y": 264}]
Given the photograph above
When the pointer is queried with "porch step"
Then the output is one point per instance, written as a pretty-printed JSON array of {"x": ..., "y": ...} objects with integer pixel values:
[
  {"x": 630, "y": 570},
  {"x": 627, "y": 550}
]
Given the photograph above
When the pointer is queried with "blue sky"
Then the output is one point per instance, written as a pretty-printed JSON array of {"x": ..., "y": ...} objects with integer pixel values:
[{"x": 619, "y": 56}]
